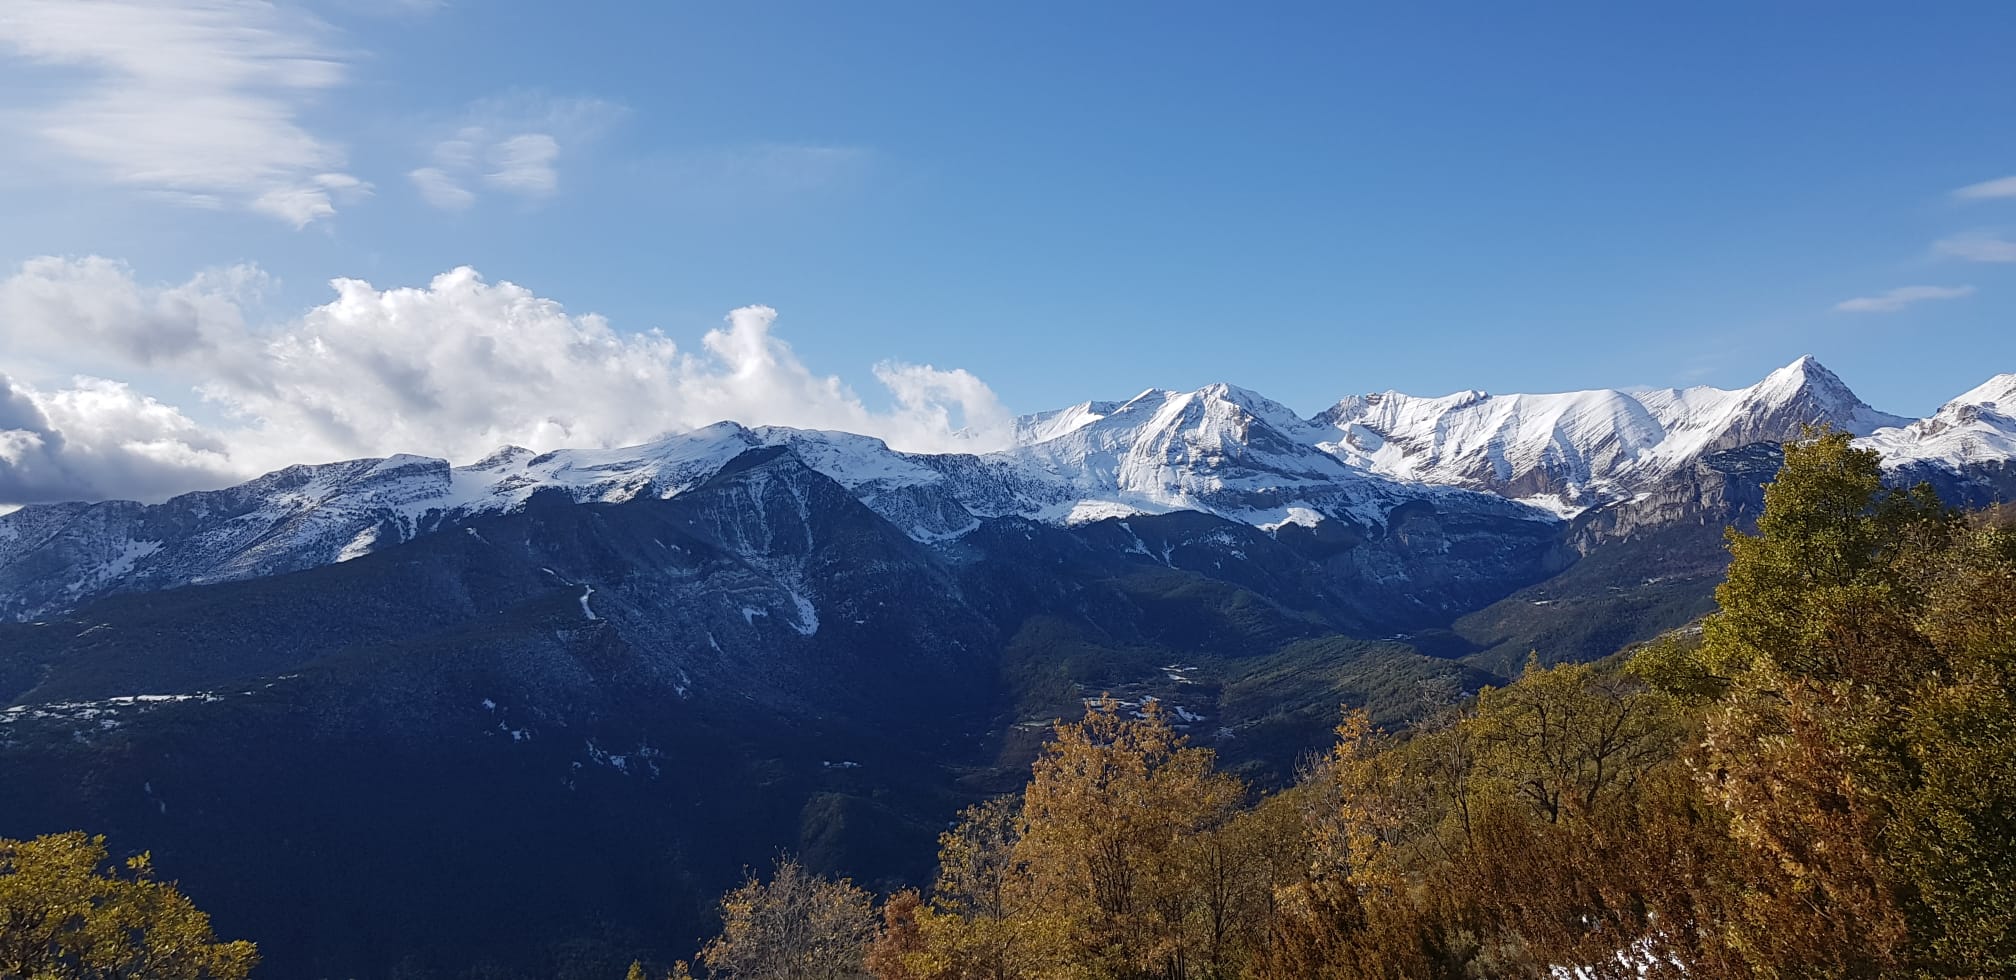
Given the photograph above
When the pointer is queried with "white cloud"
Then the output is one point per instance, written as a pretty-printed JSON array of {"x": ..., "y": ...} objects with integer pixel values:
[
  {"x": 99, "y": 439},
  {"x": 56, "y": 308},
  {"x": 453, "y": 369},
  {"x": 512, "y": 144},
  {"x": 1901, "y": 297},
  {"x": 196, "y": 102},
  {"x": 525, "y": 164},
  {"x": 1978, "y": 247},
  {"x": 441, "y": 190},
  {"x": 2001, "y": 187}
]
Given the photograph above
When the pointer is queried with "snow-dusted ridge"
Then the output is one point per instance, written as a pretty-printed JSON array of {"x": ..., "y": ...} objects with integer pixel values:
[
  {"x": 1220, "y": 449},
  {"x": 1573, "y": 450},
  {"x": 1977, "y": 427}
]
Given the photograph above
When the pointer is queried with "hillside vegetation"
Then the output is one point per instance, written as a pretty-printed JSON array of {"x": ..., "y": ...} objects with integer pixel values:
[{"x": 1821, "y": 781}]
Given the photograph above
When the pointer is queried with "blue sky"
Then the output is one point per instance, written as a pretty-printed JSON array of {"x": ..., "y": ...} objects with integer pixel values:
[{"x": 1069, "y": 201}]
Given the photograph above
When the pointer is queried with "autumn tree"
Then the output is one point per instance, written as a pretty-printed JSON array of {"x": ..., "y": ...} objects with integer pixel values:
[
  {"x": 1498, "y": 837},
  {"x": 1951, "y": 782},
  {"x": 900, "y": 950},
  {"x": 1128, "y": 855},
  {"x": 795, "y": 926},
  {"x": 1117, "y": 823},
  {"x": 1813, "y": 651},
  {"x": 1858, "y": 737},
  {"x": 1566, "y": 739},
  {"x": 66, "y": 915},
  {"x": 1821, "y": 781},
  {"x": 987, "y": 920}
]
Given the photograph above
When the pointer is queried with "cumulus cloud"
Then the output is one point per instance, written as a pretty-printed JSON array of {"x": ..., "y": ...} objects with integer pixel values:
[
  {"x": 1900, "y": 298},
  {"x": 452, "y": 369},
  {"x": 1977, "y": 247},
  {"x": 511, "y": 144},
  {"x": 2001, "y": 187},
  {"x": 99, "y": 439},
  {"x": 195, "y": 102},
  {"x": 54, "y": 308}
]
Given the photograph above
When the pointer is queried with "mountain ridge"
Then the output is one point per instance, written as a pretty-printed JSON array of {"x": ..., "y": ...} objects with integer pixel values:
[{"x": 1220, "y": 449}]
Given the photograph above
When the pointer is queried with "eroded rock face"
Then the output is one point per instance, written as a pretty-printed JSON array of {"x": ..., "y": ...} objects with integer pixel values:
[
  {"x": 1720, "y": 489},
  {"x": 1980, "y": 484}
]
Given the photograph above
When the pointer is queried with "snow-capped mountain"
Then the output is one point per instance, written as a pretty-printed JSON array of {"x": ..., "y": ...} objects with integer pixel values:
[
  {"x": 1572, "y": 450},
  {"x": 1472, "y": 459},
  {"x": 757, "y": 635},
  {"x": 1977, "y": 427},
  {"x": 53, "y": 557},
  {"x": 1220, "y": 450},
  {"x": 1967, "y": 449}
]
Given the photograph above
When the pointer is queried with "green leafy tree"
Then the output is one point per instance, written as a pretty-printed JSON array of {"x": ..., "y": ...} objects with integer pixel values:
[{"x": 1818, "y": 590}]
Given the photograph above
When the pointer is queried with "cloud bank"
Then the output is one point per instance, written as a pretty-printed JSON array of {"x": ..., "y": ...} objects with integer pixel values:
[{"x": 453, "y": 369}]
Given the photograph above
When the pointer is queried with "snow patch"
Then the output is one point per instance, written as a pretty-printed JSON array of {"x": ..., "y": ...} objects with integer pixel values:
[
  {"x": 808, "y": 617},
  {"x": 1275, "y": 520},
  {"x": 360, "y": 545}
]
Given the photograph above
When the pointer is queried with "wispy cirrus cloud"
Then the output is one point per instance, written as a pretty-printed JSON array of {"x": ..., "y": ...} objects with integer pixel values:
[
  {"x": 440, "y": 188},
  {"x": 1976, "y": 247},
  {"x": 511, "y": 144},
  {"x": 194, "y": 102},
  {"x": 1988, "y": 189},
  {"x": 1901, "y": 298}
]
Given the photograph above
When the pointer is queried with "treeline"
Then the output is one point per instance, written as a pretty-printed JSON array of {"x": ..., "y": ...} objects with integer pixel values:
[{"x": 1820, "y": 783}]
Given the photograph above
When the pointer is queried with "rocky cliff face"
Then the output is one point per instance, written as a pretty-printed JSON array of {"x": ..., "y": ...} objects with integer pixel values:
[{"x": 1720, "y": 489}]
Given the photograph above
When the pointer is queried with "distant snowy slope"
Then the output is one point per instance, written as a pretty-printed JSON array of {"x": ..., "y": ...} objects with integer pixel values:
[
  {"x": 1703, "y": 420},
  {"x": 1975, "y": 428},
  {"x": 1044, "y": 426},
  {"x": 1576, "y": 449},
  {"x": 52, "y": 557},
  {"x": 1220, "y": 449},
  {"x": 1522, "y": 445}
]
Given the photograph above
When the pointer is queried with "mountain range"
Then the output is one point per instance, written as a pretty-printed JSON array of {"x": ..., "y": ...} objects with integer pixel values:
[
  {"x": 1220, "y": 450},
  {"x": 625, "y": 673}
]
